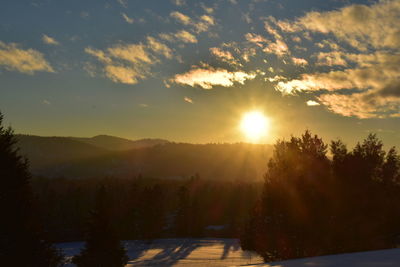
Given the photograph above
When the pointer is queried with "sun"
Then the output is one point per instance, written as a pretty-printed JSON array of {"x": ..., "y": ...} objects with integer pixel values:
[{"x": 255, "y": 125}]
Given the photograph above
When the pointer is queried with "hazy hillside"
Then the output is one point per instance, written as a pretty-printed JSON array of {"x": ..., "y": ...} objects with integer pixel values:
[
  {"x": 117, "y": 143},
  {"x": 79, "y": 158},
  {"x": 50, "y": 151}
]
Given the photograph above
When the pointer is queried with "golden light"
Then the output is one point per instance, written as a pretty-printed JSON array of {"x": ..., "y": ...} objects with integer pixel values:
[{"x": 254, "y": 125}]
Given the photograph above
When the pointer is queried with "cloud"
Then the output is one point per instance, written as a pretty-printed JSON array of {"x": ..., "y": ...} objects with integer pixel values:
[
  {"x": 122, "y": 74},
  {"x": 361, "y": 105},
  {"x": 299, "y": 61},
  {"x": 207, "y": 9},
  {"x": 361, "y": 26},
  {"x": 276, "y": 78},
  {"x": 224, "y": 56},
  {"x": 179, "y": 2},
  {"x": 200, "y": 25},
  {"x": 279, "y": 48},
  {"x": 14, "y": 58},
  {"x": 127, "y": 19},
  {"x": 46, "y": 102},
  {"x": 333, "y": 58},
  {"x": 181, "y": 17},
  {"x": 374, "y": 86},
  {"x": 128, "y": 63},
  {"x": 312, "y": 103},
  {"x": 218, "y": 52},
  {"x": 133, "y": 53},
  {"x": 167, "y": 37},
  {"x": 180, "y": 36},
  {"x": 159, "y": 47},
  {"x": 185, "y": 37},
  {"x": 207, "y": 77},
  {"x": 204, "y": 23},
  {"x": 271, "y": 30},
  {"x": 363, "y": 83},
  {"x": 188, "y": 99},
  {"x": 49, "y": 40},
  {"x": 256, "y": 39},
  {"x": 123, "y": 3}
]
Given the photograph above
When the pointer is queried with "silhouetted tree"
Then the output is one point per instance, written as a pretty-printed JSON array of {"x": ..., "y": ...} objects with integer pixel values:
[
  {"x": 22, "y": 241},
  {"x": 391, "y": 167},
  {"x": 102, "y": 247},
  {"x": 312, "y": 205}
]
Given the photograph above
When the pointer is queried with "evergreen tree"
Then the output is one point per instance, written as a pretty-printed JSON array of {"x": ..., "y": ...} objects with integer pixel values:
[
  {"x": 391, "y": 167},
  {"x": 102, "y": 247},
  {"x": 22, "y": 241}
]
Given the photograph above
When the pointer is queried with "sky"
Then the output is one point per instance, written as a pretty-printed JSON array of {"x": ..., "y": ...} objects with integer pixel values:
[{"x": 187, "y": 71}]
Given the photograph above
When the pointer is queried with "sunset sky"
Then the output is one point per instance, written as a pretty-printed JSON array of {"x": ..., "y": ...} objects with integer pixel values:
[{"x": 188, "y": 70}]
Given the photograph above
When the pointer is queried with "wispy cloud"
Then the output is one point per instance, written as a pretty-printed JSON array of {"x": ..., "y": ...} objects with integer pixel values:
[
  {"x": 158, "y": 47},
  {"x": 224, "y": 56},
  {"x": 126, "y": 18},
  {"x": 123, "y": 63},
  {"x": 128, "y": 63},
  {"x": 198, "y": 25},
  {"x": 185, "y": 37},
  {"x": 179, "y": 2},
  {"x": 312, "y": 103},
  {"x": 276, "y": 46},
  {"x": 206, "y": 77},
  {"x": 14, "y": 58},
  {"x": 188, "y": 99},
  {"x": 182, "y": 18},
  {"x": 256, "y": 39},
  {"x": 49, "y": 40},
  {"x": 299, "y": 61},
  {"x": 123, "y": 3}
]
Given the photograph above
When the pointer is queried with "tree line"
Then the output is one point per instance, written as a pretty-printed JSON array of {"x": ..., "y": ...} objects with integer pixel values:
[{"x": 319, "y": 199}]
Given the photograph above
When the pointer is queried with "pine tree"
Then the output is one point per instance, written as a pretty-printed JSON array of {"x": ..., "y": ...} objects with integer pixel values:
[
  {"x": 102, "y": 248},
  {"x": 21, "y": 238}
]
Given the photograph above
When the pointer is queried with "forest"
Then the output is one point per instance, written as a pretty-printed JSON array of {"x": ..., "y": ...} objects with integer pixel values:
[{"x": 316, "y": 199}]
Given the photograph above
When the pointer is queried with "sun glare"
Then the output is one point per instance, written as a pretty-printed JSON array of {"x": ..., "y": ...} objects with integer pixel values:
[{"x": 254, "y": 125}]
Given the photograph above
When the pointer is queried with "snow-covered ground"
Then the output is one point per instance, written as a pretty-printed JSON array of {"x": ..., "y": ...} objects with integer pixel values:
[
  {"x": 180, "y": 252},
  {"x": 377, "y": 258},
  {"x": 227, "y": 252}
]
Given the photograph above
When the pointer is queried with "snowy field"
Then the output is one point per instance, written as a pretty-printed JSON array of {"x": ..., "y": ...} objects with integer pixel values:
[
  {"x": 227, "y": 252},
  {"x": 180, "y": 252},
  {"x": 377, "y": 258}
]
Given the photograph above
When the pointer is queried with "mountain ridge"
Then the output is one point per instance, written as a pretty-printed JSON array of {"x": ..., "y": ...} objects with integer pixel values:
[{"x": 83, "y": 157}]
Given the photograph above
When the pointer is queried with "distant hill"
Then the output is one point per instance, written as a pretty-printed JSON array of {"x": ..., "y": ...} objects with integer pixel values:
[
  {"x": 117, "y": 143},
  {"x": 89, "y": 157},
  {"x": 49, "y": 151}
]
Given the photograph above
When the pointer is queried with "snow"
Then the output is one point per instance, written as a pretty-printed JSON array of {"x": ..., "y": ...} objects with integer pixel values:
[
  {"x": 227, "y": 252},
  {"x": 179, "y": 252},
  {"x": 377, "y": 258}
]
